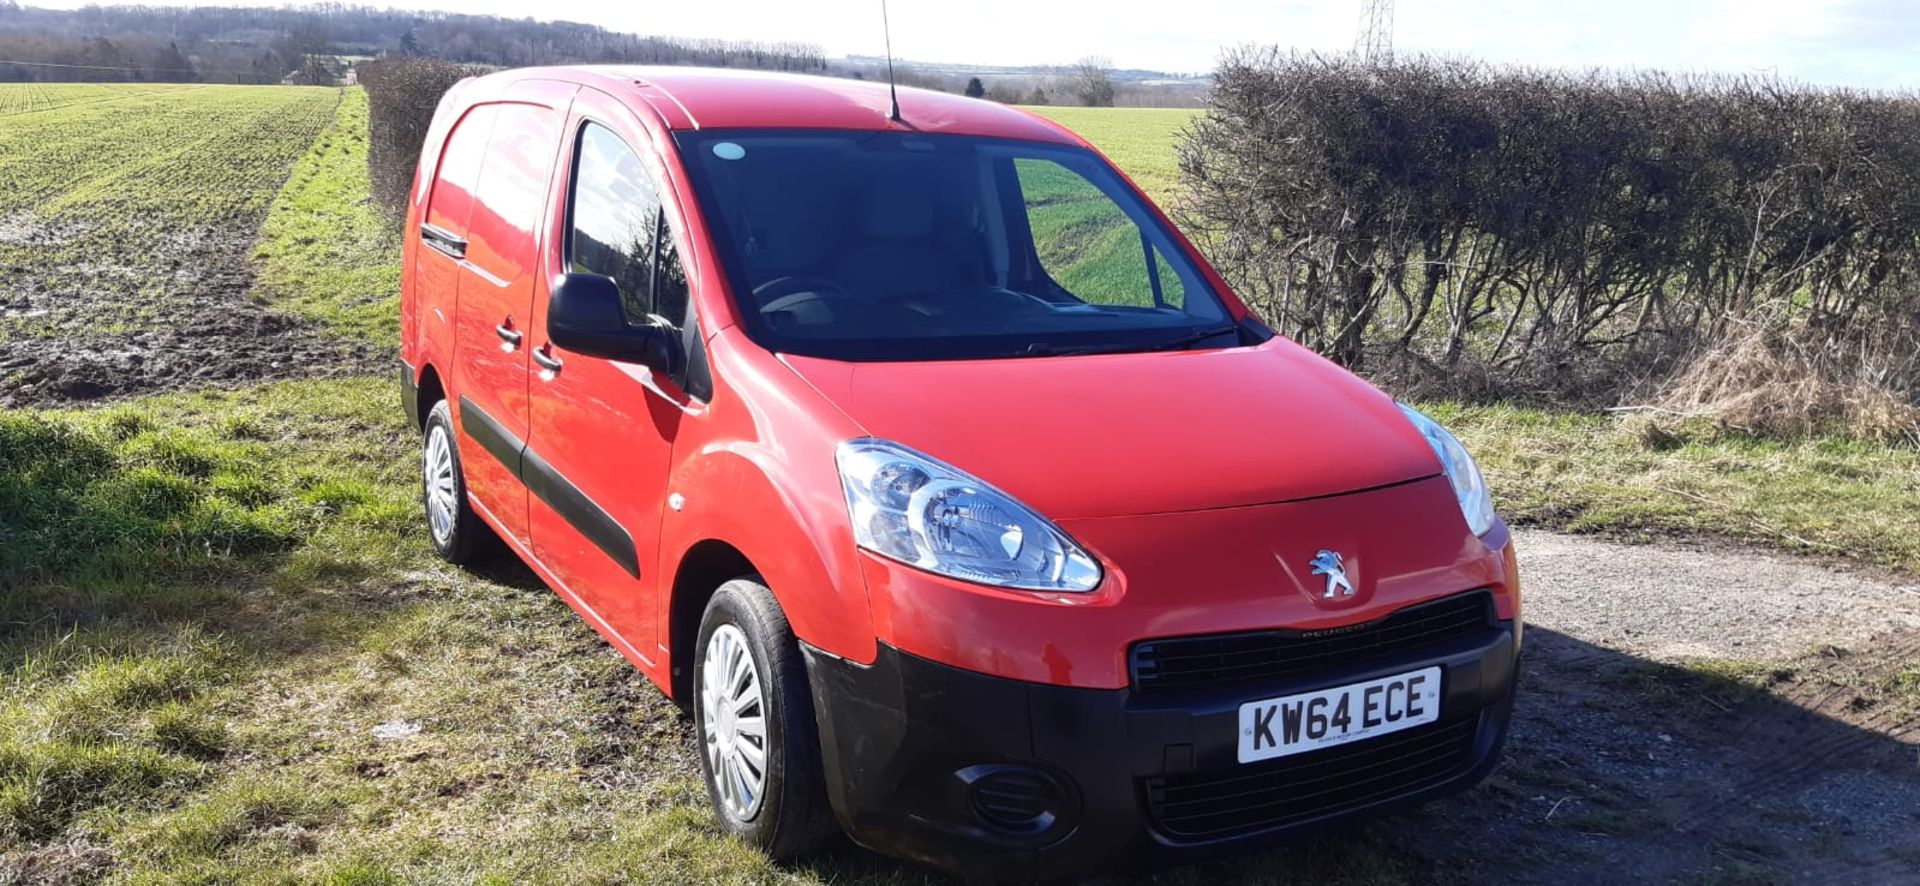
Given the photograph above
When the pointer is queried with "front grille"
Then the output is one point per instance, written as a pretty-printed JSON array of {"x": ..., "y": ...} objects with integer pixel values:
[
  {"x": 1226, "y": 659},
  {"x": 1307, "y": 786}
]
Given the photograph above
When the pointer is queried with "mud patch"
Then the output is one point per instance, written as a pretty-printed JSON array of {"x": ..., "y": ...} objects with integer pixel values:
[
  {"x": 209, "y": 336},
  {"x": 76, "y": 326},
  {"x": 126, "y": 234}
]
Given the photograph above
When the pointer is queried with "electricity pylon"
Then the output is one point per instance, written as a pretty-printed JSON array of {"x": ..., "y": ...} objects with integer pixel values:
[{"x": 1375, "y": 42}]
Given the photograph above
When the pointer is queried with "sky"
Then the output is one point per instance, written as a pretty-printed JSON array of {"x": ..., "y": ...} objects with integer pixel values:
[{"x": 1865, "y": 43}]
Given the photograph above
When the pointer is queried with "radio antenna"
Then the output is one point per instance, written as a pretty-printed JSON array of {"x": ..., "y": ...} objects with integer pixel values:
[{"x": 892, "y": 91}]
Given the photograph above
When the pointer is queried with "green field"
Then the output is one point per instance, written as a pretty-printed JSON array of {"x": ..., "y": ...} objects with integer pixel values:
[
  {"x": 133, "y": 191},
  {"x": 1138, "y": 140},
  {"x": 127, "y": 215},
  {"x": 19, "y": 98},
  {"x": 1084, "y": 242},
  {"x": 209, "y": 602}
]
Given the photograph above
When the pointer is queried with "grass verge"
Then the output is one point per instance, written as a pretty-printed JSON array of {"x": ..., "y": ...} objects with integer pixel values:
[
  {"x": 1583, "y": 472},
  {"x": 325, "y": 253},
  {"x": 209, "y": 712}
]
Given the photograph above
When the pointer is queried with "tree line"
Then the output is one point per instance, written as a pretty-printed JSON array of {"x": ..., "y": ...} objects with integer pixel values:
[
  {"x": 267, "y": 45},
  {"x": 316, "y": 44}
]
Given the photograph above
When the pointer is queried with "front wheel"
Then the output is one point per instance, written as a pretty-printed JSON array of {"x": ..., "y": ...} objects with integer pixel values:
[{"x": 753, "y": 711}]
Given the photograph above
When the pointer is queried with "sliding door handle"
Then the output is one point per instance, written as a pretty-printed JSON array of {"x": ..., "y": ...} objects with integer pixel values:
[{"x": 444, "y": 241}]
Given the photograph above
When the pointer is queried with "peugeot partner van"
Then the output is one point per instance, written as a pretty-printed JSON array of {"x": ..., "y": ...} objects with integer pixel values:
[{"x": 937, "y": 475}]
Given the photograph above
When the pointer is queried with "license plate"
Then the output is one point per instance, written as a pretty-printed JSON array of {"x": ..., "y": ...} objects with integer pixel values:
[{"x": 1310, "y": 721}]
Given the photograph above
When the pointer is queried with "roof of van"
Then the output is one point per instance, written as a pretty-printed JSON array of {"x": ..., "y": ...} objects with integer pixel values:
[{"x": 722, "y": 98}]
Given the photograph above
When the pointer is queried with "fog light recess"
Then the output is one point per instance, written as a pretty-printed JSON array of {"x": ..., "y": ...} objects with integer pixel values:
[{"x": 1014, "y": 800}]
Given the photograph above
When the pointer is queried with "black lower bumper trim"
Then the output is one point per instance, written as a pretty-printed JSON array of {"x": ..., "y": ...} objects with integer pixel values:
[{"x": 1116, "y": 778}]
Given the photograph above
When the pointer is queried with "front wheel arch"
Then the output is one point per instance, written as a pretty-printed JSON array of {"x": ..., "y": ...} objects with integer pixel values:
[
  {"x": 789, "y": 814},
  {"x": 705, "y": 567}
]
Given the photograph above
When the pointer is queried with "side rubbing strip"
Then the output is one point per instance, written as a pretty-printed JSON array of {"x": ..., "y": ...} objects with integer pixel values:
[
  {"x": 560, "y": 494},
  {"x": 570, "y": 503},
  {"x": 491, "y": 436}
]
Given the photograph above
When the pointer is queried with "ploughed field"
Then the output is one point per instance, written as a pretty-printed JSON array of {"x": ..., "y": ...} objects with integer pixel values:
[
  {"x": 227, "y": 655},
  {"x": 127, "y": 219}
]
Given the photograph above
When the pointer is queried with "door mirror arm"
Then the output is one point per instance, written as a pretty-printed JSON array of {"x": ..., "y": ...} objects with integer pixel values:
[{"x": 585, "y": 316}]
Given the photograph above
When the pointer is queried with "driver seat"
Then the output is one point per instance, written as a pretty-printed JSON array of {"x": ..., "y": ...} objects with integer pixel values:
[{"x": 898, "y": 245}]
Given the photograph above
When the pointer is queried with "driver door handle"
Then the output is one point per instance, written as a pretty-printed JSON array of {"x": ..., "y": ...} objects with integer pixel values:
[{"x": 549, "y": 363}]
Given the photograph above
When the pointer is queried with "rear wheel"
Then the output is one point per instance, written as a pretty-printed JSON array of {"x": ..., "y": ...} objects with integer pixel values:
[
  {"x": 457, "y": 533},
  {"x": 753, "y": 711}
]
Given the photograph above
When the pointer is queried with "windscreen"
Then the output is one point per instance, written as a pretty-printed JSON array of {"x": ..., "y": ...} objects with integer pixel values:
[{"x": 892, "y": 246}]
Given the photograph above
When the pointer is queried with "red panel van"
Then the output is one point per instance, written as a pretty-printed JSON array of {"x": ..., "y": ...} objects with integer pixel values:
[{"x": 920, "y": 457}]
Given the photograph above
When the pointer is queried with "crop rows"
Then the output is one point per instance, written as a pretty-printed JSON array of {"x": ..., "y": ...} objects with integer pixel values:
[
  {"x": 21, "y": 98},
  {"x": 126, "y": 221}
]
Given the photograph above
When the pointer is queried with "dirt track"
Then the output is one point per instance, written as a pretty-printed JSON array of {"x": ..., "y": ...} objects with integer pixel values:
[
  {"x": 1696, "y": 715},
  {"x": 196, "y": 324}
]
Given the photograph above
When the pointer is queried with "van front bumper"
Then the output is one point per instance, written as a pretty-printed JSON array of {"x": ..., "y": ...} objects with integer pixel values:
[{"x": 1003, "y": 780}]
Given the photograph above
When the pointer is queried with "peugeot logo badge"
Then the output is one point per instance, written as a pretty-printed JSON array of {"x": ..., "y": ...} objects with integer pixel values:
[{"x": 1334, "y": 567}]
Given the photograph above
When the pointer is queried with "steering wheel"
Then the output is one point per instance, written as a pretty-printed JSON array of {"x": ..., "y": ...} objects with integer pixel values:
[
  {"x": 1040, "y": 300},
  {"x": 783, "y": 293}
]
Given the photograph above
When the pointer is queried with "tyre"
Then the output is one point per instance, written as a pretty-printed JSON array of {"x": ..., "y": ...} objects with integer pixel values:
[
  {"x": 753, "y": 713},
  {"x": 458, "y": 534}
]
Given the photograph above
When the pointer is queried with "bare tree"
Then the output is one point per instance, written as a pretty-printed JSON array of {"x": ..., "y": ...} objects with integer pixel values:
[{"x": 1093, "y": 81}]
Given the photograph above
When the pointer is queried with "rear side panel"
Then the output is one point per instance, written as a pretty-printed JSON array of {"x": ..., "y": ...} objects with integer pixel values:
[
  {"x": 493, "y": 328},
  {"x": 434, "y": 270},
  {"x": 426, "y": 336}
]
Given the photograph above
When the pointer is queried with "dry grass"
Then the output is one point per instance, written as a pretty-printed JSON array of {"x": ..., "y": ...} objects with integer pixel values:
[{"x": 1791, "y": 382}]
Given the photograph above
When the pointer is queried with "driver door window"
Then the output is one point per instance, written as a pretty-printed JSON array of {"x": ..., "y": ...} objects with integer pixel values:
[
  {"x": 1088, "y": 245},
  {"x": 618, "y": 229}
]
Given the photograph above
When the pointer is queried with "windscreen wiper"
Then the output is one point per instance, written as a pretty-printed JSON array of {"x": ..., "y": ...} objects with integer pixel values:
[
  {"x": 1187, "y": 341},
  {"x": 1042, "y": 349}
]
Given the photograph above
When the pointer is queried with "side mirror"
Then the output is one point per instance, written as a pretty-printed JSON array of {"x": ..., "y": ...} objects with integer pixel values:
[{"x": 584, "y": 315}]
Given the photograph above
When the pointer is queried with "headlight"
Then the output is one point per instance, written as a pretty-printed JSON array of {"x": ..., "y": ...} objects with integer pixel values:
[
  {"x": 1476, "y": 504},
  {"x": 915, "y": 509}
]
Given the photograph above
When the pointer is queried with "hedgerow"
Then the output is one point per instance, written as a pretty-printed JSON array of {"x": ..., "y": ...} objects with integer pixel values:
[
  {"x": 1470, "y": 228},
  {"x": 402, "y": 94}
]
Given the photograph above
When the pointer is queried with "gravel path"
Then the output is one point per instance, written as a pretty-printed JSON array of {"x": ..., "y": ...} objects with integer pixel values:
[
  {"x": 1672, "y": 603},
  {"x": 1696, "y": 715}
]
